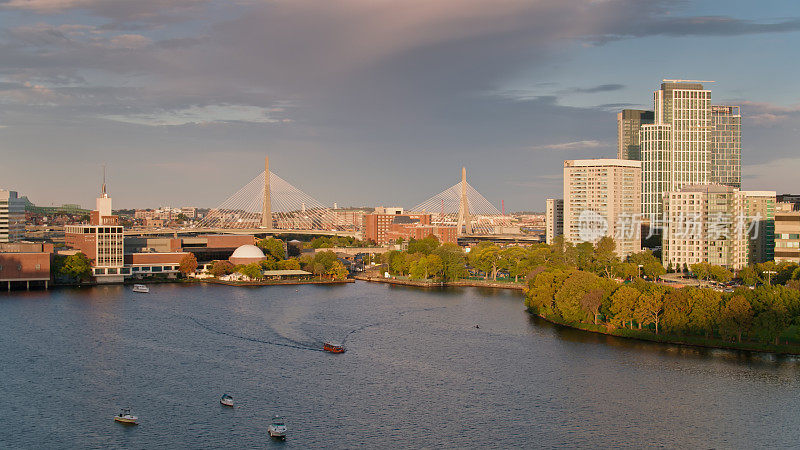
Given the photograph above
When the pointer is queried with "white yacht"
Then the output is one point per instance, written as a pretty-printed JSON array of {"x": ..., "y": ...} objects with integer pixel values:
[
  {"x": 226, "y": 400},
  {"x": 277, "y": 429},
  {"x": 141, "y": 288}
]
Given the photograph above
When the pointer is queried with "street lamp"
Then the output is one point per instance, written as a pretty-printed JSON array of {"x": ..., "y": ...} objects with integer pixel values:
[
  {"x": 640, "y": 270},
  {"x": 769, "y": 276}
]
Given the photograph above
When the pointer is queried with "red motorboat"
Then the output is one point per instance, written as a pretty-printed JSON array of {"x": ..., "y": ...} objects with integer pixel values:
[{"x": 328, "y": 347}]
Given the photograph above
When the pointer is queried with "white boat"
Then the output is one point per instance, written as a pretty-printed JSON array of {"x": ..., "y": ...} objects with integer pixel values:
[
  {"x": 126, "y": 417},
  {"x": 141, "y": 288},
  {"x": 277, "y": 429},
  {"x": 226, "y": 400}
]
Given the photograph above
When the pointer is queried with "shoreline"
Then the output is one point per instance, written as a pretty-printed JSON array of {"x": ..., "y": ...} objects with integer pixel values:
[
  {"x": 442, "y": 284},
  {"x": 622, "y": 333},
  {"x": 274, "y": 283},
  {"x": 646, "y": 336}
]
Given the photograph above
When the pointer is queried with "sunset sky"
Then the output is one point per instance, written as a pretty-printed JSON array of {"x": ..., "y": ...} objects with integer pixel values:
[{"x": 369, "y": 102}]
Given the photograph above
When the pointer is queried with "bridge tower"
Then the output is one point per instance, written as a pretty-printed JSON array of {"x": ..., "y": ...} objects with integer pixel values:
[
  {"x": 464, "y": 219},
  {"x": 266, "y": 209}
]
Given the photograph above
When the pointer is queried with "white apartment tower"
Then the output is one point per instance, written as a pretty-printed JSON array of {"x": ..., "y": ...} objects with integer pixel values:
[
  {"x": 711, "y": 223},
  {"x": 554, "y": 219},
  {"x": 602, "y": 197}
]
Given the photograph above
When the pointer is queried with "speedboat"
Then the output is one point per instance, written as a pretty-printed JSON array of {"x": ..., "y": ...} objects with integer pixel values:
[
  {"x": 126, "y": 417},
  {"x": 333, "y": 348},
  {"x": 226, "y": 400},
  {"x": 277, "y": 429},
  {"x": 141, "y": 288}
]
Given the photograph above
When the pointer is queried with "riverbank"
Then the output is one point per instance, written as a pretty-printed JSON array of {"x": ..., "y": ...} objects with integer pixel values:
[
  {"x": 439, "y": 284},
  {"x": 274, "y": 282},
  {"x": 641, "y": 335},
  {"x": 688, "y": 341}
]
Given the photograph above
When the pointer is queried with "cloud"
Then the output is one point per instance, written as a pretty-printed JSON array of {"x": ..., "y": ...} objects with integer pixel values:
[
  {"x": 205, "y": 115},
  {"x": 769, "y": 114},
  {"x": 600, "y": 88},
  {"x": 575, "y": 145},
  {"x": 124, "y": 10}
]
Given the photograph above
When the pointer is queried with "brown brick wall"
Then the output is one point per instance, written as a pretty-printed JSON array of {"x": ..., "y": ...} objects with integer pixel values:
[{"x": 23, "y": 266}]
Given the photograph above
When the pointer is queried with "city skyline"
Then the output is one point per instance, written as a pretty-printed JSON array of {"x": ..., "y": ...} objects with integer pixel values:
[{"x": 163, "y": 91}]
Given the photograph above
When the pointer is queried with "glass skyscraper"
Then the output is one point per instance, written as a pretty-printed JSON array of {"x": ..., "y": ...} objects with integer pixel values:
[{"x": 726, "y": 152}]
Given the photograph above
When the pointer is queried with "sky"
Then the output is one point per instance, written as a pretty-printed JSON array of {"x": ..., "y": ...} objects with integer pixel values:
[{"x": 369, "y": 102}]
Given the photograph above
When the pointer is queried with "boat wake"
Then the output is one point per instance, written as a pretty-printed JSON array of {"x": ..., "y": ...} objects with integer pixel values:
[
  {"x": 384, "y": 322},
  {"x": 289, "y": 343}
]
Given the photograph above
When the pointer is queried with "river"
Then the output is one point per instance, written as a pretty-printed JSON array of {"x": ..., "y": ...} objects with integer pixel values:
[{"x": 417, "y": 373}]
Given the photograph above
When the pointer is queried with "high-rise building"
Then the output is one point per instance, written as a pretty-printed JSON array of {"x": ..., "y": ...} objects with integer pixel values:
[
  {"x": 759, "y": 209},
  {"x": 601, "y": 198},
  {"x": 629, "y": 123},
  {"x": 676, "y": 148},
  {"x": 726, "y": 148},
  {"x": 712, "y": 223},
  {"x": 102, "y": 240},
  {"x": 12, "y": 216},
  {"x": 787, "y": 232},
  {"x": 554, "y": 219}
]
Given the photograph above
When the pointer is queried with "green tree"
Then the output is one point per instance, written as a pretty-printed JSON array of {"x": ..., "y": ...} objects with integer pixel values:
[
  {"x": 676, "y": 311},
  {"x": 425, "y": 246},
  {"x": 513, "y": 260},
  {"x": 705, "y": 304},
  {"x": 605, "y": 256},
  {"x": 188, "y": 264},
  {"x": 623, "y": 304},
  {"x": 252, "y": 271},
  {"x": 77, "y": 267},
  {"x": 748, "y": 275},
  {"x": 542, "y": 290},
  {"x": 649, "y": 309},
  {"x": 289, "y": 264},
  {"x": 485, "y": 257},
  {"x": 453, "y": 262},
  {"x": 651, "y": 266},
  {"x": 736, "y": 317},
  {"x": 573, "y": 289},
  {"x": 273, "y": 247}
]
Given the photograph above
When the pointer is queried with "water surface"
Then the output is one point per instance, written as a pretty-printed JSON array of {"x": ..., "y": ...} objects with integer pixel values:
[{"x": 417, "y": 373}]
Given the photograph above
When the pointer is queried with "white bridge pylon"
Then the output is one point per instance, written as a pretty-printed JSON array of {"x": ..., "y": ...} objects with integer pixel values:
[
  {"x": 291, "y": 208},
  {"x": 462, "y": 206}
]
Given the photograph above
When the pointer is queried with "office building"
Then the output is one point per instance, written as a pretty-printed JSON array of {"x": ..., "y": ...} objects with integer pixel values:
[
  {"x": 676, "y": 148},
  {"x": 629, "y": 123},
  {"x": 726, "y": 147},
  {"x": 12, "y": 216},
  {"x": 601, "y": 198},
  {"x": 759, "y": 209},
  {"x": 554, "y": 219},
  {"x": 787, "y": 232},
  {"x": 378, "y": 224},
  {"x": 102, "y": 241}
]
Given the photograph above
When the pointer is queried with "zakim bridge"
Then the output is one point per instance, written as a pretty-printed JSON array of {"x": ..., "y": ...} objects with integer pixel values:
[{"x": 268, "y": 204}]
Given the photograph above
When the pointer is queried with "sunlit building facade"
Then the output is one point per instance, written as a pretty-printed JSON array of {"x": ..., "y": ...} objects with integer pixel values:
[
  {"x": 554, "y": 219},
  {"x": 601, "y": 198}
]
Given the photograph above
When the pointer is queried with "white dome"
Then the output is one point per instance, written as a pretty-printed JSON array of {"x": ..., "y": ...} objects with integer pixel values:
[{"x": 248, "y": 251}]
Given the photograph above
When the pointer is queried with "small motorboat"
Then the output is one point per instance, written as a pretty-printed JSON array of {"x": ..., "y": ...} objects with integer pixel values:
[
  {"x": 126, "y": 417},
  {"x": 333, "y": 348},
  {"x": 277, "y": 429},
  {"x": 226, "y": 400},
  {"x": 141, "y": 288}
]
